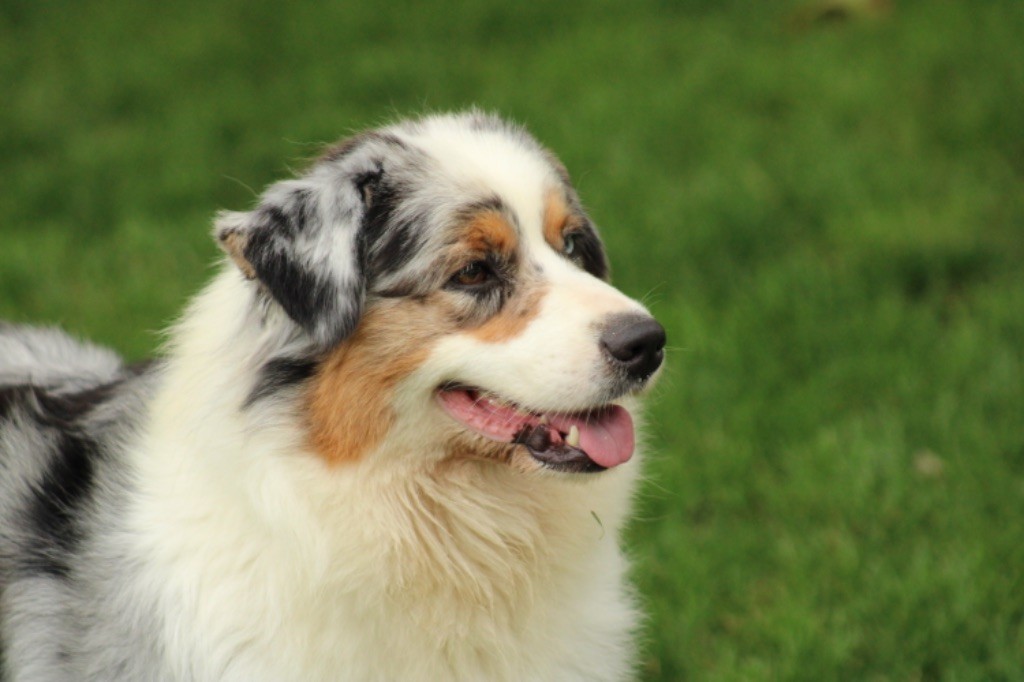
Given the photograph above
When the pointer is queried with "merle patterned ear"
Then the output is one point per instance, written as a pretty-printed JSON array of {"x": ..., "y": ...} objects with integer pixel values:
[{"x": 303, "y": 250}]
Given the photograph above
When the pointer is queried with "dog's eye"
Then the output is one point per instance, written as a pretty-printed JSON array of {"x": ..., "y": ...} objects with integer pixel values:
[
  {"x": 474, "y": 274},
  {"x": 569, "y": 244}
]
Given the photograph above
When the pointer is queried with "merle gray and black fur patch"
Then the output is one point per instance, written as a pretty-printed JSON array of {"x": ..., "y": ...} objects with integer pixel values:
[
  {"x": 280, "y": 374},
  {"x": 306, "y": 295},
  {"x": 56, "y": 505},
  {"x": 66, "y": 483},
  {"x": 287, "y": 245},
  {"x": 589, "y": 251}
]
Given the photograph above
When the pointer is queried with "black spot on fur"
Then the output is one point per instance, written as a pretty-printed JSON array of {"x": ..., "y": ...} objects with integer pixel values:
[
  {"x": 60, "y": 495},
  {"x": 56, "y": 411},
  {"x": 324, "y": 305},
  {"x": 491, "y": 203},
  {"x": 275, "y": 219},
  {"x": 64, "y": 411},
  {"x": 66, "y": 484},
  {"x": 387, "y": 244},
  {"x": 303, "y": 295},
  {"x": 10, "y": 396},
  {"x": 278, "y": 374},
  {"x": 303, "y": 210},
  {"x": 292, "y": 218},
  {"x": 589, "y": 252},
  {"x": 366, "y": 184},
  {"x": 397, "y": 247}
]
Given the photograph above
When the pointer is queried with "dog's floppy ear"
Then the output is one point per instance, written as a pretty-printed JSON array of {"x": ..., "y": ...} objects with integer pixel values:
[{"x": 301, "y": 245}]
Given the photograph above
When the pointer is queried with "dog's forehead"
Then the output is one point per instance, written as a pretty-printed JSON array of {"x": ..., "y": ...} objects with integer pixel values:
[{"x": 483, "y": 158}]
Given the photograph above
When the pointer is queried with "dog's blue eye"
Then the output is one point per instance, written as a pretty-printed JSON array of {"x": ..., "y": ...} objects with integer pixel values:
[{"x": 569, "y": 244}]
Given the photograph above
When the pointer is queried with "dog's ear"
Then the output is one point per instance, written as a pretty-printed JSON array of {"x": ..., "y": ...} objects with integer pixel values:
[{"x": 301, "y": 244}]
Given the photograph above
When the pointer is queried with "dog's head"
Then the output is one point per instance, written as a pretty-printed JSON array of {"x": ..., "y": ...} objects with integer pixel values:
[{"x": 453, "y": 300}]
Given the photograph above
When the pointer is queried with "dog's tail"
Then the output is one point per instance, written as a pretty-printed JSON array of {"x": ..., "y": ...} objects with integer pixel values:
[{"x": 49, "y": 358}]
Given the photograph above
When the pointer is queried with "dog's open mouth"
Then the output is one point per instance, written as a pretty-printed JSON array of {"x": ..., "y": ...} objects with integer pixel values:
[{"x": 594, "y": 440}]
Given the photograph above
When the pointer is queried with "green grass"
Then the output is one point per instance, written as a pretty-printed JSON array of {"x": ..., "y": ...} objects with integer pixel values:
[{"x": 829, "y": 221}]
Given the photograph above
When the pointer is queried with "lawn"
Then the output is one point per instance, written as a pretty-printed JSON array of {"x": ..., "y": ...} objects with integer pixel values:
[{"x": 827, "y": 215}]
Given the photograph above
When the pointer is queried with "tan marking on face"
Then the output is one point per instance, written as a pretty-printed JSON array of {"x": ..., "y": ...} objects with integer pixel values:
[
  {"x": 350, "y": 400},
  {"x": 514, "y": 317},
  {"x": 489, "y": 232},
  {"x": 559, "y": 219},
  {"x": 556, "y": 217}
]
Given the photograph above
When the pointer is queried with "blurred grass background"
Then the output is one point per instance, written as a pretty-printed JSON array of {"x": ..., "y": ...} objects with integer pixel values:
[{"x": 823, "y": 202}]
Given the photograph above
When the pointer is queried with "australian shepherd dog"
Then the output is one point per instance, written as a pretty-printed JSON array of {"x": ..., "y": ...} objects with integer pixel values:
[{"x": 392, "y": 440}]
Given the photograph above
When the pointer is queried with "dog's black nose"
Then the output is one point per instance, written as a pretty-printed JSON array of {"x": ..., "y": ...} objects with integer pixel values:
[{"x": 634, "y": 342}]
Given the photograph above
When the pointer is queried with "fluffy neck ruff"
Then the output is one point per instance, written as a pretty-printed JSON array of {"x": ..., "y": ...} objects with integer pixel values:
[{"x": 256, "y": 542}]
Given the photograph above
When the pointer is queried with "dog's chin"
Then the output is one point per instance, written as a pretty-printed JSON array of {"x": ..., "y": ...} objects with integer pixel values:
[{"x": 586, "y": 441}]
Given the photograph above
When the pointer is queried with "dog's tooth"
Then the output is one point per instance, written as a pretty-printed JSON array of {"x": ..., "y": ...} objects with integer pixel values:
[
  {"x": 573, "y": 439},
  {"x": 544, "y": 421}
]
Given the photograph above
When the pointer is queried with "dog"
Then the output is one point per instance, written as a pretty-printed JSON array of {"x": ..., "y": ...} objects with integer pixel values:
[{"x": 393, "y": 439}]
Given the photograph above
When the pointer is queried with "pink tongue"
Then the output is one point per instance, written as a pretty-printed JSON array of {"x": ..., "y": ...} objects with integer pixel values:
[{"x": 607, "y": 438}]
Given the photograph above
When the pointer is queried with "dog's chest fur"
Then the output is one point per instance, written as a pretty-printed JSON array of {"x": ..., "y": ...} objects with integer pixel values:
[{"x": 270, "y": 566}]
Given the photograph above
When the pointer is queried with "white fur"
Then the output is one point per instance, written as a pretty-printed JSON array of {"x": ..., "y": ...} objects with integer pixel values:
[{"x": 271, "y": 566}]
